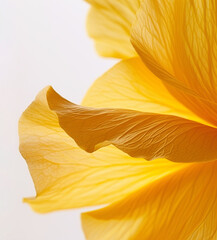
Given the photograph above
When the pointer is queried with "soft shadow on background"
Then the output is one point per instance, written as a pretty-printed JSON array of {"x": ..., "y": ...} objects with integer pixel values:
[{"x": 42, "y": 43}]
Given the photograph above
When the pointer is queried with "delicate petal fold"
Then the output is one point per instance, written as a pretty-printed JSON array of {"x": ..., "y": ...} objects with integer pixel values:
[
  {"x": 131, "y": 85},
  {"x": 180, "y": 206},
  {"x": 109, "y": 23},
  {"x": 177, "y": 41},
  {"x": 138, "y": 134},
  {"x": 65, "y": 176}
]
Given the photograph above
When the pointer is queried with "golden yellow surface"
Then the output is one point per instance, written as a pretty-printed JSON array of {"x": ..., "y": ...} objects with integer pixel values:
[
  {"x": 159, "y": 103},
  {"x": 109, "y": 23}
]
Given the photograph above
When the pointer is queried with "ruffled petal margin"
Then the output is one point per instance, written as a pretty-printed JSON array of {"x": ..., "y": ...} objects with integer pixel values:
[
  {"x": 67, "y": 177},
  {"x": 139, "y": 134}
]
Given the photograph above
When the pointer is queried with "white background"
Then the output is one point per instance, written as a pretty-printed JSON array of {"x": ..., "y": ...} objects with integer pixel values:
[{"x": 42, "y": 42}]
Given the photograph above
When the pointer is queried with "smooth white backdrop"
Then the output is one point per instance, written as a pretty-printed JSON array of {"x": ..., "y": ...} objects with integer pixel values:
[{"x": 42, "y": 43}]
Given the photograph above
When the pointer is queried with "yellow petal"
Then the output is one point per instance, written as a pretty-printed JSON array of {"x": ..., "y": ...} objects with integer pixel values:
[
  {"x": 109, "y": 23},
  {"x": 180, "y": 206},
  {"x": 68, "y": 177},
  {"x": 177, "y": 41},
  {"x": 131, "y": 85},
  {"x": 137, "y": 133}
]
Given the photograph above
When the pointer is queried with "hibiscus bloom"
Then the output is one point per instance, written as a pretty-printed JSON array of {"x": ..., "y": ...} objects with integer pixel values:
[{"x": 158, "y": 104}]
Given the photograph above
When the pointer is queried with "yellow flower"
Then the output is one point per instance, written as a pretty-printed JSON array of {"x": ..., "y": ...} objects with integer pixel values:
[{"x": 158, "y": 104}]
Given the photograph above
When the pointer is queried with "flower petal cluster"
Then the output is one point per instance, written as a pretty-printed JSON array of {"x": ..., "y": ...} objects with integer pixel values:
[{"x": 144, "y": 140}]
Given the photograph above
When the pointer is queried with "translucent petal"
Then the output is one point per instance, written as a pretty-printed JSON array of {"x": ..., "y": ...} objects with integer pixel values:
[
  {"x": 109, "y": 23},
  {"x": 131, "y": 85},
  {"x": 180, "y": 206},
  {"x": 65, "y": 176},
  {"x": 177, "y": 41},
  {"x": 139, "y": 134}
]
